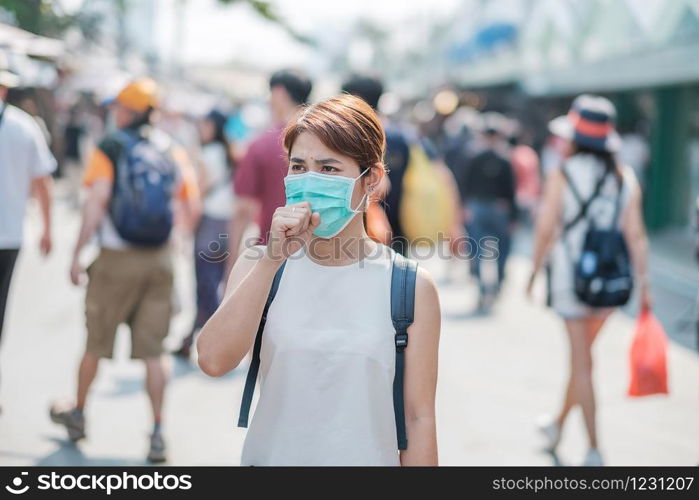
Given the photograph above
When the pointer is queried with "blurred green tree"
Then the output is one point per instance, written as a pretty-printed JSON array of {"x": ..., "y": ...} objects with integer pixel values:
[
  {"x": 265, "y": 10},
  {"x": 37, "y": 16},
  {"x": 48, "y": 18}
]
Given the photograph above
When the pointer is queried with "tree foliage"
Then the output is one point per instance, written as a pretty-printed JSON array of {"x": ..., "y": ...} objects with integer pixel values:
[
  {"x": 267, "y": 11},
  {"x": 45, "y": 17}
]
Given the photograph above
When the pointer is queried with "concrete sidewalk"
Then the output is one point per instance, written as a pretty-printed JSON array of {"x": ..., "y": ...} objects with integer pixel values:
[
  {"x": 674, "y": 273},
  {"x": 497, "y": 374}
]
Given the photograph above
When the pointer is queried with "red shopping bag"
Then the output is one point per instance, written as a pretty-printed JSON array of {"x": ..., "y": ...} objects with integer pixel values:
[{"x": 648, "y": 357}]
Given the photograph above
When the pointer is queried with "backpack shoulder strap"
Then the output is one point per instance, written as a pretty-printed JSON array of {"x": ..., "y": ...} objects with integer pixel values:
[
  {"x": 403, "y": 276},
  {"x": 126, "y": 142},
  {"x": 126, "y": 138},
  {"x": 254, "y": 367},
  {"x": 572, "y": 186},
  {"x": 584, "y": 204}
]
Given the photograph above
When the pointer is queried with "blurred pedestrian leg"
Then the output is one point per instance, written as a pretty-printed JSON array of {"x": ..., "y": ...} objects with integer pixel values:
[
  {"x": 7, "y": 264},
  {"x": 156, "y": 380},
  {"x": 210, "y": 261},
  {"x": 490, "y": 229},
  {"x": 211, "y": 248}
]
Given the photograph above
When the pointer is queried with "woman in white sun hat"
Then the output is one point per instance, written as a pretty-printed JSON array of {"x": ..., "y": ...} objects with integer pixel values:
[{"x": 590, "y": 190}]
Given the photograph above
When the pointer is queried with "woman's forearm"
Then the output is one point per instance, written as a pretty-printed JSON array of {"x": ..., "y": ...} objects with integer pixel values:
[
  {"x": 634, "y": 231},
  {"x": 93, "y": 212},
  {"x": 547, "y": 219},
  {"x": 230, "y": 332},
  {"x": 542, "y": 240},
  {"x": 422, "y": 443},
  {"x": 639, "y": 257}
]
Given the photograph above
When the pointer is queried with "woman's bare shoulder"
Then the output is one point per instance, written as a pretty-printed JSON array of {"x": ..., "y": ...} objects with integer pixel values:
[{"x": 426, "y": 297}]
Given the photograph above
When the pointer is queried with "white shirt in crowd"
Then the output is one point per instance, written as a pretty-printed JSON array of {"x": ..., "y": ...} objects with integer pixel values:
[
  {"x": 218, "y": 202},
  {"x": 24, "y": 156}
]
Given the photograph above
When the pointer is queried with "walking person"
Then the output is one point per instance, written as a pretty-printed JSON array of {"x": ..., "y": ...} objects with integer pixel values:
[
  {"x": 259, "y": 179},
  {"x": 331, "y": 360},
  {"x": 525, "y": 163},
  {"x": 26, "y": 165},
  {"x": 591, "y": 196},
  {"x": 488, "y": 188},
  {"x": 370, "y": 89},
  {"x": 133, "y": 179},
  {"x": 73, "y": 137},
  {"x": 211, "y": 238}
]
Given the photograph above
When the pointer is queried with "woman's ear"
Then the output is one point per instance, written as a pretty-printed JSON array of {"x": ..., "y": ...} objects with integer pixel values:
[{"x": 373, "y": 181}]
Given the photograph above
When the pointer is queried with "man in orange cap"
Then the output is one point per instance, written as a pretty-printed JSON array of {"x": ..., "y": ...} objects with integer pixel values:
[{"x": 134, "y": 179}]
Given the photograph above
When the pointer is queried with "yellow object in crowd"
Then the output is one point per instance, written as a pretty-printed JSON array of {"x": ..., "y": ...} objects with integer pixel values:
[{"x": 427, "y": 205}]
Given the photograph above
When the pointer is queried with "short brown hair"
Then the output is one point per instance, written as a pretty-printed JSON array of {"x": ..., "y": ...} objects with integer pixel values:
[{"x": 345, "y": 124}]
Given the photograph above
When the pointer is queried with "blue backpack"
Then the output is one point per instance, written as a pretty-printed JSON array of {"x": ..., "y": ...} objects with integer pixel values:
[
  {"x": 403, "y": 276},
  {"x": 142, "y": 192}
]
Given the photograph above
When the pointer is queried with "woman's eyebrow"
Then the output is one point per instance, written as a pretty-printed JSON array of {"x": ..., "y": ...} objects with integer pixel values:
[{"x": 321, "y": 161}]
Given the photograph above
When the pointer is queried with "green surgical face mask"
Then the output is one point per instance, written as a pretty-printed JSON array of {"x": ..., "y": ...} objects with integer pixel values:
[{"x": 329, "y": 195}]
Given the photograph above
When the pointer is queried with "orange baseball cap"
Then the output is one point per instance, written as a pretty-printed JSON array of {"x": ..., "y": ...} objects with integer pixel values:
[{"x": 139, "y": 95}]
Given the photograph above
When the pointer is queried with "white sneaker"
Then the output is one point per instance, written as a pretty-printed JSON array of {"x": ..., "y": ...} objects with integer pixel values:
[
  {"x": 593, "y": 458},
  {"x": 551, "y": 431}
]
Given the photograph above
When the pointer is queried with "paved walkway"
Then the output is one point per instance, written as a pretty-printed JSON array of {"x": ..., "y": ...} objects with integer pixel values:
[{"x": 497, "y": 374}]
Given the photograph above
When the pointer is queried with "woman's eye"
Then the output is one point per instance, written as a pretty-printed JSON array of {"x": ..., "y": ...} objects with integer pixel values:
[
  {"x": 297, "y": 168},
  {"x": 328, "y": 168}
]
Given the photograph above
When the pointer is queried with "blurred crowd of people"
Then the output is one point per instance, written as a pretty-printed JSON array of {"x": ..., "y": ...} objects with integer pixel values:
[{"x": 139, "y": 171}]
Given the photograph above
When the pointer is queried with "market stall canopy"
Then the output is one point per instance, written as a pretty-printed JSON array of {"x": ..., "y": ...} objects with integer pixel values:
[
  {"x": 669, "y": 66},
  {"x": 563, "y": 48},
  {"x": 23, "y": 42},
  {"x": 486, "y": 40}
]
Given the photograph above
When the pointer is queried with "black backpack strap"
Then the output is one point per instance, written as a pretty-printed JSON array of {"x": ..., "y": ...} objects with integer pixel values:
[
  {"x": 251, "y": 378},
  {"x": 584, "y": 204},
  {"x": 125, "y": 141},
  {"x": 403, "y": 276}
]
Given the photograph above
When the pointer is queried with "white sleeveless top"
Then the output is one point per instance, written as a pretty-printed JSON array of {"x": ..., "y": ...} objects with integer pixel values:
[
  {"x": 326, "y": 367},
  {"x": 584, "y": 170}
]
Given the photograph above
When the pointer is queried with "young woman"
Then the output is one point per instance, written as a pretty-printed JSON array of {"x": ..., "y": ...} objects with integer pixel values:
[
  {"x": 590, "y": 167},
  {"x": 210, "y": 243},
  {"x": 328, "y": 353}
]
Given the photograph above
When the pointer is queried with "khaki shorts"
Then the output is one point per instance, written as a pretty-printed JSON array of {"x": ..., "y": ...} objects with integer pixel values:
[{"x": 131, "y": 286}]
